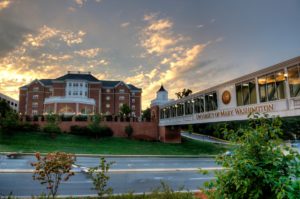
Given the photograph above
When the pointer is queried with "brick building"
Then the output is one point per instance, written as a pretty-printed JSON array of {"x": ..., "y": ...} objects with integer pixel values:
[{"x": 78, "y": 93}]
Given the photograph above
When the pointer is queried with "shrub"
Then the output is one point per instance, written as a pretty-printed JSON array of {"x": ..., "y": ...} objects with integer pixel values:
[
  {"x": 259, "y": 167},
  {"x": 106, "y": 131},
  {"x": 28, "y": 127},
  {"x": 94, "y": 127},
  {"x": 100, "y": 177},
  {"x": 10, "y": 122},
  {"x": 52, "y": 125},
  {"x": 81, "y": 118},
  {"x": 129, "y": 130},
  {"x": 80, "y": 130},
  {"x": 53, "y": 168}
]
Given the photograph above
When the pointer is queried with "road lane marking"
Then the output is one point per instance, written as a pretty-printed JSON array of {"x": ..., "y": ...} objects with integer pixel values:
[{"x": 203, "y": 178}]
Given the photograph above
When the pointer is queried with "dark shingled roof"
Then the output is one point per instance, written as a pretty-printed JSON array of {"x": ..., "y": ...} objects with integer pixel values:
[
  {"x": 46, "y": 82},
  {"x": 161, "y": 89},
  {"x": 106, "y": 83},
  {"x": 132, "y": 87},
  {"x": 87, "y": 77}
]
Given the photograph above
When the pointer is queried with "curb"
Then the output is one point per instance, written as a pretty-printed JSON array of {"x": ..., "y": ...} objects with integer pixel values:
[{"x": 123, "y": 156}]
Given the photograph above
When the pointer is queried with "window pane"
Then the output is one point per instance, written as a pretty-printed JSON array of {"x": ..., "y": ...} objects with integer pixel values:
[
  {"x": 239, "y": 95},
  {"x": 246, "y": 93},
  {"x": 201, "y": 104},
  {"x": 252, "y": 88},
  {"x": 280, "y": 89},
  {"x": 262, "y": 89},
  {"x": 271, "y": 87},
  {"x": 214, "y": 101},
  {"x": 294, "y": 81}
]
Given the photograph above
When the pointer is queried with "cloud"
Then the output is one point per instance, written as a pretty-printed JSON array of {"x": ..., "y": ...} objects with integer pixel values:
[
  {"x": 200, "y": 26},
  {"x": 125, "y": 24},
  {"x": 148, "y": 17},
  {"x": 81, "y": 3},
  {"x": 11, "y": 34},
  {"x": 4, "y": 4},
  {"x": 90, "y": 53}
]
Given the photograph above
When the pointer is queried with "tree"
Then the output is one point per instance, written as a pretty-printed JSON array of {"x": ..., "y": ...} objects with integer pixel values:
[
  {"x": 129, "y": 130},
  {"x": 95, "y": 127},
  {"x": 125, "y": 110},
  {"x": 52, "y": 126},
  {"x": 183, "y": 93},
  {"x": 4, "y": 108},
  {"x": 100, "y": 177},
  {"x": 260, "y": 167},
  {"x": 10, "y": 121},
  {"x": 53, "y": 168},
  {"x": 146, "y": 114}
]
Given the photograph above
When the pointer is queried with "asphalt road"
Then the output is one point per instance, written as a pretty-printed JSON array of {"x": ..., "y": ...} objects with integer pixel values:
[{"x": 144, "y": 179}]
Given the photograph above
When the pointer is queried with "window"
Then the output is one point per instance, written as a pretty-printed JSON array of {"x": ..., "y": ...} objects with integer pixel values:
[
  {"x": 180, "y": 109},
  {"x": 35, "y": 97},
  {"x": 107, "y": 98},
  {"x": 75, "y": 93},
  {"x": 211, "y": 103},
  {"x": 35, "y": 104},
  {"x": 70, "y": 84},
  {"x": 34, "y": 112},
  {"x": 121, "y": 97},
  {"x": 80, "y": 84},
  {"x": 121, "y": 91},
  {"x": 108, "y": 90},
  {"x": 85, "y": 93},
  {"x": 188, "y": 107},
  {"x": 80, "y": 93},
  {"x": 133, "y": 107},
  {"x": 86, "y": 85},
  {"x": 121, "y": 104},
  {"x": 70, "y": 93},
  {"x": 107, "y": 105},
  {"x": 294, "y": 81},
  {"x": 199, "y": 104},
  {"x": 271, "y": 86},
  {"x": 35, "y": 89},
  {"x": 246, "y": 93},
  {"x": 132, "y": 94},
  {"x": 133, "y": 100}
]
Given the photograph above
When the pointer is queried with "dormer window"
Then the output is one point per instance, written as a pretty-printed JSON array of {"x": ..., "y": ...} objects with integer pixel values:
[{"x": 121, "y": 90}]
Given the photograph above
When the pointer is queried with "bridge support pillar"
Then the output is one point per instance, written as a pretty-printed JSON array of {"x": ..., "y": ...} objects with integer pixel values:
[{"x": 169, "y": 134}]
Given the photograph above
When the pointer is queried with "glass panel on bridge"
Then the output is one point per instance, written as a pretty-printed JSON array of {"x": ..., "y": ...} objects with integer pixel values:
[
  {"x": 294, "y": 81},
  {"x": 271, "y": 86},
  {"x": 199, "y": 104},
  {"x": 246, "y": 93},
  {"x": 211, "y": 103},
  {"x": 188, "y": 107}
]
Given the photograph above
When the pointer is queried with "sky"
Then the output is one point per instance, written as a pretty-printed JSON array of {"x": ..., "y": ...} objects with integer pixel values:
[{"x": 191, "y": 44}]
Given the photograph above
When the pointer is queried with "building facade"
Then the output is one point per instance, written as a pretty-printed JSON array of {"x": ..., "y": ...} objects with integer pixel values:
[
  {"x": 78, "y": 93},
  {"x": 14, "y": 104},
  {"x": 274, "y": 90}
]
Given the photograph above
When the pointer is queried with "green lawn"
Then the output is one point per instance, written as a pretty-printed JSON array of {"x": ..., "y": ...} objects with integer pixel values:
[{"x": 33, "y": 142}]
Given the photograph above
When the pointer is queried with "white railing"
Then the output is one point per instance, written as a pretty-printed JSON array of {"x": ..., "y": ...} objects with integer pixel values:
[{"x": 80, "y": 100}]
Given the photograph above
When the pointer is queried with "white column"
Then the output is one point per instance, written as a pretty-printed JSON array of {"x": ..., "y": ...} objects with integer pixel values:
[
  {"x": 287, "y": 88},
  {"x": 77, "y": 107}
]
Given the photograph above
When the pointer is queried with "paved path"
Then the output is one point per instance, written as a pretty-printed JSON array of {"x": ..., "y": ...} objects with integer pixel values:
[{"x": 203, "y": 138}]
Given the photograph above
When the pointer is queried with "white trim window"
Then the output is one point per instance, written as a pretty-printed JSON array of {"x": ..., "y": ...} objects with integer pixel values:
[
  {"x": 35, "y": 97},
  {"x": 107, "y": 98},
  {"x": 133, "y": 107},
  {"x": 133, "y": 100},
  {"x": 35, "y": 104},
  {"x": 35, "y": 89},
  {"x": 121, "y": 97},
  {"x": 107, "y": 105},
  {"x": 121, "y": 90},
  {"x": 34, "y": 112}
]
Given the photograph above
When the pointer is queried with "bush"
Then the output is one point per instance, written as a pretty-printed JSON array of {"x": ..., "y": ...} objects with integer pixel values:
[
  {"x": 66, "y": 118},
  {"x": 51, "y": 129},
  {"x": 129, "y": 130},
  {"x": 80, "y": 130},
  {"x": 106, "y": 132},
  {"x": 81, "y": 118},
  {"x": 94, "y": 127},
  {"x": 260, "y": 166},
  {"x": 28, "y": 127},
  {"x": 10, "y": 122}
]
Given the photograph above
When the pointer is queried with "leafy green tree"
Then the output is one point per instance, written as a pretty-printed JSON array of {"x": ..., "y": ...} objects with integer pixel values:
[
  {"x": 52, "y": 169},
  {"x": 260, "y": 167},
  {"x": 4, "y": 108},
  {"x": 94, "y": 127},
  {"x": 100, "y": 177},
  {"x": 52, "y": 125},
  {"x": 183, "y": 93},
  {"x": 146, "y": 114},
  {"x": 125, "y": 110},
  {"x": 129, "y": 130},
  {"x": 10, "y": 121}
]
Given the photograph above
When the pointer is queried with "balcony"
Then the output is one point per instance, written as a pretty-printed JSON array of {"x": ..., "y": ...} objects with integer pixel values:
[{"x": 79, "y": 100}]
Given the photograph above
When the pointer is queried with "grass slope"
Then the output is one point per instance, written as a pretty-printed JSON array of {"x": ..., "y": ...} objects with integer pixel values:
[{"x": 33, "y": 142}]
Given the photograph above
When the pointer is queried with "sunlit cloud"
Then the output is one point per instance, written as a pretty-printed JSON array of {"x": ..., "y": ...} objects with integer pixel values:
[
  {"x": 4, "y": 4},
  {"x": 90, "y": 53},
  {"x": 125, "y": 24}
]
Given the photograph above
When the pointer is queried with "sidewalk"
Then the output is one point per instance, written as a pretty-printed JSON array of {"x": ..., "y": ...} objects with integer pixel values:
[{"x": 203, "y": 138}]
